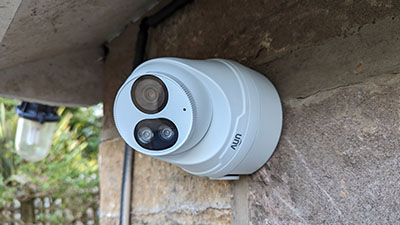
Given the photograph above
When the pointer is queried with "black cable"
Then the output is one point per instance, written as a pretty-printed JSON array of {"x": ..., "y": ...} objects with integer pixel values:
[
  {"x": 128, "y": 160},
  {"x": 167, "y": 11},
  {"x": 153, "y": 21},
  {"x": 141, "y": 43}
]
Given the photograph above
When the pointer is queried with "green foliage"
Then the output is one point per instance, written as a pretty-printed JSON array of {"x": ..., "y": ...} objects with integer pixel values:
[
  {"x": 69, "y": 172},
  {"x": 86, "y": 122},
  {"x": 8, "y": 122}
]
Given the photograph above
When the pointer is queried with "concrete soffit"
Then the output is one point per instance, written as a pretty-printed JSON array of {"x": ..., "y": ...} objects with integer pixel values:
[
  {"x": 8, "y": 8},
  {"x": 51, "y": 51}
]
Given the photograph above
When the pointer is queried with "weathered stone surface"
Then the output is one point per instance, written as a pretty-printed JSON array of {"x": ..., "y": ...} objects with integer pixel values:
[
  {"x": 337, "y": 161},
  {"x": 201, "y": 217},
  {"x": 336, "y": 62},
  {"x": 165, "y": 194},
  {"x": 109, "y": 221},
  {"x": 255, "y": 32},
  {"x": 110, "y": 162},
  {"x": 162, "y": 193}
]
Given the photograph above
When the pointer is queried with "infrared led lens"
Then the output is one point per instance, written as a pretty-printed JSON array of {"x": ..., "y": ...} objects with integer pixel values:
[
  {"x": 145, "y": 135},
  {"x": 166, "y": 132}
]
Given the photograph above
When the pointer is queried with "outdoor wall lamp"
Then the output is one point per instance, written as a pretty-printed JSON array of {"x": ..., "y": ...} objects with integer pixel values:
[{"x": 35, "y": 129}]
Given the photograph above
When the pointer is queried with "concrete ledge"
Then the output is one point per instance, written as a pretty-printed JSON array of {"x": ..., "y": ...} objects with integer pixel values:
[
  {"x": 47, "y": 28},
  {"x": 73, "y": 79},
  {"x": 7, "y": 13}
]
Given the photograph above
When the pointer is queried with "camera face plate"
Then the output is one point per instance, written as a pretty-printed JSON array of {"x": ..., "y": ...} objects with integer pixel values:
[{"x": 179, "y": 110}]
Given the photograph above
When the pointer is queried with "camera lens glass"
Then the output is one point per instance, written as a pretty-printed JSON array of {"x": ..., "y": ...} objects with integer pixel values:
[
  {"x": 149, "y": 94},
  {"x": 167, "y": 134}
]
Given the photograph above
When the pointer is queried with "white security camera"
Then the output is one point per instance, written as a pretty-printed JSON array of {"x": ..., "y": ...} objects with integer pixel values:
[{"x": 213, "y": 118}]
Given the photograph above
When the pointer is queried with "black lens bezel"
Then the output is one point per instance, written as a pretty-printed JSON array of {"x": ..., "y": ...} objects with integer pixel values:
[
  {"x": 157, "y": 143},
  {"x": 134, "y": 97}
]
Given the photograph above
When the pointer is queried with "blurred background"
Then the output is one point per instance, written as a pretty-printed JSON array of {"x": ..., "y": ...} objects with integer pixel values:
[{"x": 63, "y": 188}]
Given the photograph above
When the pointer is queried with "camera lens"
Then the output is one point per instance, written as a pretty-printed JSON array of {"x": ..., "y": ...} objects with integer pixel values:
[
  {"x": 145, "y": 135},
  {"x": 166, "y": 132},
  {"x": 149, "y": 94}
]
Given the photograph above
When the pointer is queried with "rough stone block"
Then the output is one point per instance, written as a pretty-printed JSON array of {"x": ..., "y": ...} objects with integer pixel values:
[
  {"x": 337, "y": 161},
  {"x": 205, "y": 217},
  {"x": 109, "y": 221},
  {"x": 261, "y": 31},
  {"x": 162, "y": 193},
  {"x": 165, "y": 194}
]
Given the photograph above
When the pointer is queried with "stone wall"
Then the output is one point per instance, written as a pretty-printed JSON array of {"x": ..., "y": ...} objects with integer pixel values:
[
  {"x": 335, "y": 65},
  {"x": 337, "y": 161}
]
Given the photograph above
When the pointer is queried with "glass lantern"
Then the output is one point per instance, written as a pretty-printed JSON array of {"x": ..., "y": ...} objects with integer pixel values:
[{"x": 35, "y": 130}]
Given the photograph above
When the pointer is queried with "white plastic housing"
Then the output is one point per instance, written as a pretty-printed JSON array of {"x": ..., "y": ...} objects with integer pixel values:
[
  {"x": 33, "y": 139},
  {"x": 229, "y": 117}
]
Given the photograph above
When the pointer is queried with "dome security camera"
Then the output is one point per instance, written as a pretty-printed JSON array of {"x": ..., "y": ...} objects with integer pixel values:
[{"x": 213, "y": 118}]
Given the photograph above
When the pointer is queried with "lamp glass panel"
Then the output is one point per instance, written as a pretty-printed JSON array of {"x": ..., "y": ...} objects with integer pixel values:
[{"x": 33, "y": 139}]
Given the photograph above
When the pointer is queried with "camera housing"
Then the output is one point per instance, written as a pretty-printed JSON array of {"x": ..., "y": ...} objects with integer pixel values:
[{"x": 213, "y": 118}]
